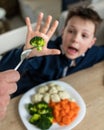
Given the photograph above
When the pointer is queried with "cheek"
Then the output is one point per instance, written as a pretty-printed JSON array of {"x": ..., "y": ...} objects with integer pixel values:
[
  {"x": 66, "y": 39},
  {"x": 85, "y": 45},
  {"x": 83, "y": 48}
]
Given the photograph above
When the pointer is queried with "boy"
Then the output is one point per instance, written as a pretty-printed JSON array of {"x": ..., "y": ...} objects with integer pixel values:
[{"x": 71, "y": 52}]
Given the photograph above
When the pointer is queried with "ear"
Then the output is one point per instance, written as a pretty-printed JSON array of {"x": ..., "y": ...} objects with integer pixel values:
[{"x": 92, "y": 42}]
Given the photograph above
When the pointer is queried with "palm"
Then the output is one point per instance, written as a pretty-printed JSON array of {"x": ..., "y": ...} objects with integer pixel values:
[{"x": 44, "y": 31}]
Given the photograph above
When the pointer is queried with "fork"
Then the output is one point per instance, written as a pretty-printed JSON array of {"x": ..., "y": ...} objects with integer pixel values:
[{"x": 24, "y": 55}]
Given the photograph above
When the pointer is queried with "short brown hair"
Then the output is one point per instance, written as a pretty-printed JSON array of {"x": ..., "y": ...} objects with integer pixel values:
[{"x": 86, "y": 13}]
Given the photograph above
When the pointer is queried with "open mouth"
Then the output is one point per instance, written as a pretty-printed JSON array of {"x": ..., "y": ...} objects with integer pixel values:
[{"x": 72, "y": 50}]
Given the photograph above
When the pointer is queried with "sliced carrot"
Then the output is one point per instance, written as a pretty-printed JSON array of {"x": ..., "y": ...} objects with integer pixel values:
[
  {"x": 56, "y": 113},
  {"x": 64, "y": 111},
  {"x": 66, "y": 120},
  {"x": 52, "y": 104},
  {"x": 57, "y": 107}
]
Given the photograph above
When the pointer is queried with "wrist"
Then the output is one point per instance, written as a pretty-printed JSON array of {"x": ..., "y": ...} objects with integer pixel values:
[{"x": 24, "y": 48}]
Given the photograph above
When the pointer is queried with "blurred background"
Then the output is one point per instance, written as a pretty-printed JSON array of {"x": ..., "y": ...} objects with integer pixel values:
[{"x": 13, "y": 12}]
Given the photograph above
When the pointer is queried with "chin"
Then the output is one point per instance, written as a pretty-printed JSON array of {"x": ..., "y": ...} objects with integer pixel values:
[{"x": 71, "y": 57}]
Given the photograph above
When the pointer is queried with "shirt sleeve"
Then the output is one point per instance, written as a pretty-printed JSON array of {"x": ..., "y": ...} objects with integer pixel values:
[
  {"x": 99, "y": 53},
  {"x": 95, "y": 54},
  {"x": 10, "y": 59}
]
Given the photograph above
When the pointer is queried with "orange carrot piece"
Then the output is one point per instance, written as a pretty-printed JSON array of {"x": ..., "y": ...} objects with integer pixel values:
[
  {"x": 64, "y": 111},
  {"x": 66, "y": 120}
]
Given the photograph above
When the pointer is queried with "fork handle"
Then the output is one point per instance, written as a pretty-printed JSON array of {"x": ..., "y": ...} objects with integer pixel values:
[{"x": 18, "y": 65}]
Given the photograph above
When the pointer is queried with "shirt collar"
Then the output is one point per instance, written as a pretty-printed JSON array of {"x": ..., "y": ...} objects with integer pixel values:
[{"x": 72, "y": 63}]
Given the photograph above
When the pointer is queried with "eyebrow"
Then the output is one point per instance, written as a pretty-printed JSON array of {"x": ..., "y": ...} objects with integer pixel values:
[
  {"x": 87, "y": 31},
  {"x": 72, "y": 26}
]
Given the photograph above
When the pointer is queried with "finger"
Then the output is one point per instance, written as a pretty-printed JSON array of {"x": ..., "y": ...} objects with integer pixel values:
[
  {"x": 10, "y": 76},
  {"x": 28, "y": 23},
  {"x": 12, "y": 88},
  {"x": 4, "y": 101},
  {"x": 52, "y": 29},
  {"x": 39, "y": 21},
  {"x": 47, "y": 24},
  {"x": 53, "y": 52},
  {"x": 7, "y": 88}
]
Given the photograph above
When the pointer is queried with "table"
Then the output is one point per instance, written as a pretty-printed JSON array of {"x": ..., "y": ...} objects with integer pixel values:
[{"x": 90, "y": 85}]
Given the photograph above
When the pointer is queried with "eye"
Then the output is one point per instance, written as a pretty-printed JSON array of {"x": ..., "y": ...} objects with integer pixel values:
[
  {"x": 84, "y": 36},
  {"x": 70, "y": 31}
]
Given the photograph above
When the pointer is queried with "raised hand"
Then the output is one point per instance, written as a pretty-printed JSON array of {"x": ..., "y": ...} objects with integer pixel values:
[{"x": 43, "y": 30}]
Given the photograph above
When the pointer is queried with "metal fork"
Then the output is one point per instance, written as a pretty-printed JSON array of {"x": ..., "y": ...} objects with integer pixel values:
[{"x": 24, "y": 55}]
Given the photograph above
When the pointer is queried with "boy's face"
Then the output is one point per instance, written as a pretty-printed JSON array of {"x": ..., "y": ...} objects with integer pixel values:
[{"x": 77, "y": 37}]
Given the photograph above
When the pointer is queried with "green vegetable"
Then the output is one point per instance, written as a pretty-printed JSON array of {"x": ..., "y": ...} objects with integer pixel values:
[
  {"x": 37, "y": 42},
  {"x": 50, "y": 116},
  {"x": 34, "y": 118},
  {"x": 44, "y": 123},
  {"x": 41, "y": 115},
  {"x": 42, "y": 105},
  {"x": 32, "y": 109}
]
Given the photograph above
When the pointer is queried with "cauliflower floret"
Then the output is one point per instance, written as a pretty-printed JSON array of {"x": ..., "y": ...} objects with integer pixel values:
[
  {"x": 51, "y": 84},
  {"x": 64, "y": 95},
  {"x": 43, "y": 89},
  {"x": 53, "y": 90},
  {"x": 36, "y": 98},
  {"x": 55, "y": 97},
  {"x": 46, "y": 97},
  {"x": 72, "y": 99},
  {"x": 59, "y": 88}
]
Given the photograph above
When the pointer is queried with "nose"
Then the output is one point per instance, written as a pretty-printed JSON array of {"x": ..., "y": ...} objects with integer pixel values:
[{"x": 76, "y": 38}]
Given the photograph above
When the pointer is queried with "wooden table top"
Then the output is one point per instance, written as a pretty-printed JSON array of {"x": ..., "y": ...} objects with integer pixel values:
[{"x": 90, "y": 85}]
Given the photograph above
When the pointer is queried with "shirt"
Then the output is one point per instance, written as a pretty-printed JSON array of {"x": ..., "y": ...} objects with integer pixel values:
[{"x": 37, "y": 70}]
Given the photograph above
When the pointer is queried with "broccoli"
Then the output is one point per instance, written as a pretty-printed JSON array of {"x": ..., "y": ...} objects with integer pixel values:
[
  {"x": 41, "y": 115},
  {"x": 44, "y": 123},
  {"x": 34, "y": 118},
  {"x": 32, "y": 109},
  {"x": 41, "y": 105},
  {"x": 37, "y": 42},
  {"x": 30, "y": 105},
  {"x": 50, "y": 116},
  {"x": 43, "y": 111}
]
